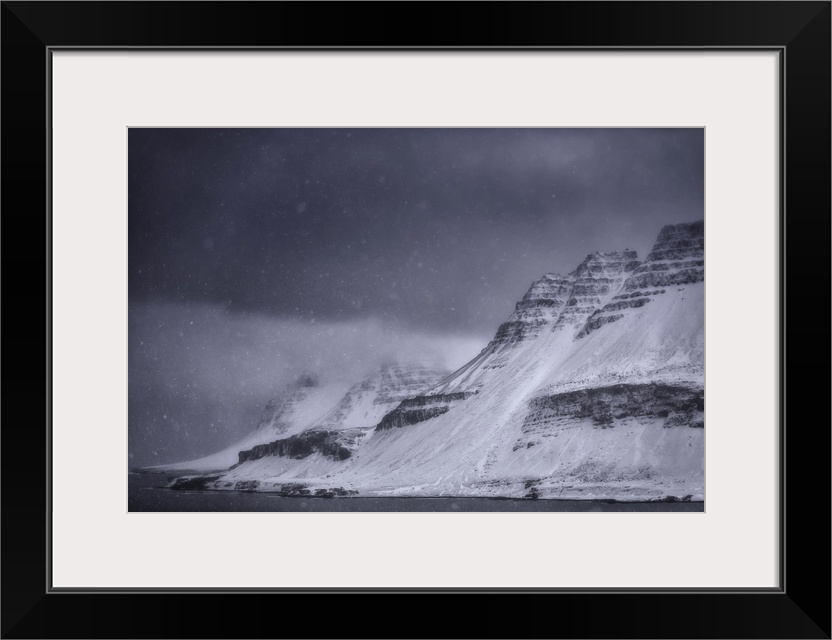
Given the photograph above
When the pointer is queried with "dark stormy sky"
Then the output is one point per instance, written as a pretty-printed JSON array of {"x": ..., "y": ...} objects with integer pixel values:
[{"x": 255, "y": 254}]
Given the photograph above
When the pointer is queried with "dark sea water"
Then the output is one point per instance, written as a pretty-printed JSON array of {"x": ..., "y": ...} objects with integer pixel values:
[{"x": 146, "y": 492}]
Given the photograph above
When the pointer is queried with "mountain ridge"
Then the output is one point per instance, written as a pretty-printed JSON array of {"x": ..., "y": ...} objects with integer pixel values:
[{"x": 593, "y": 388}]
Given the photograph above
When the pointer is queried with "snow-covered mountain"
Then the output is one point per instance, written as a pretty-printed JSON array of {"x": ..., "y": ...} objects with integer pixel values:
[
  {"x": 593, "y": 388},
  {"x": 308, "y": 403}
]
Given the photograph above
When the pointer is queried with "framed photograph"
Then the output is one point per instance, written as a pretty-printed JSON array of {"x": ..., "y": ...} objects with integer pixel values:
[
  {"x": 493, "y": 303},
  {"x": 340, "y": 294}
]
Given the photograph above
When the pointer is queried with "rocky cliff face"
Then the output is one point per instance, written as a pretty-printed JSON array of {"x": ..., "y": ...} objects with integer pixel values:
[
  {"x": 539, "y": 308},
  {"x": 677, "y": 259},
  {"x": 327, "y": 443},
  {"x": 561, "y": 302},
  {"x": 608, "y": 406},
  {"x": 598, "y": 277},
  {"x": 421, "y": 408}
]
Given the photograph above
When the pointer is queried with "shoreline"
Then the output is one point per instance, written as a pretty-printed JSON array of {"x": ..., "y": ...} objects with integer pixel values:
[
  {"x": 196, "y": 484},
  {"x": 279, "y": 494}
]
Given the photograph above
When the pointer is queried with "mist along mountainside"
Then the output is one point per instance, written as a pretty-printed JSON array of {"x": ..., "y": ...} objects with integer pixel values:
[{"x": 592, "y": 389}]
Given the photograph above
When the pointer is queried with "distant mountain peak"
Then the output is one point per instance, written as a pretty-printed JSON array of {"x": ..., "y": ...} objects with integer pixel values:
[
  {"x": 307, "y": 380},
  {"x": 676, "y": 259},
  {"x": 679, "y": 242}
]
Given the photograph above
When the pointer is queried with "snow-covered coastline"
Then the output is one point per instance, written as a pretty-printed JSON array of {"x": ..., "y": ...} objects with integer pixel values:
[{"x": 592, "y": 390}]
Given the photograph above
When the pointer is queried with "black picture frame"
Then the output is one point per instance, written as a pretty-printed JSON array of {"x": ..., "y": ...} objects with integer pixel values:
[{"x": 798, "y": 608}]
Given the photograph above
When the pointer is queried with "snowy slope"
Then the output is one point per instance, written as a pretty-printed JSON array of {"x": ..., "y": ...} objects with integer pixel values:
[
  {"x": 592, "y": 389},
  {"x": 292, "y": 410},
  {"x": 367, "y": 402},
  {"x": 554, "y": 304},
  {"x": 309, "y": 404}
]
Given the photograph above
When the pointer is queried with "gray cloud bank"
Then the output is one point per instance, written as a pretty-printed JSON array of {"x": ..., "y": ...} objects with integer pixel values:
[{"x": 435, "y": 227}]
